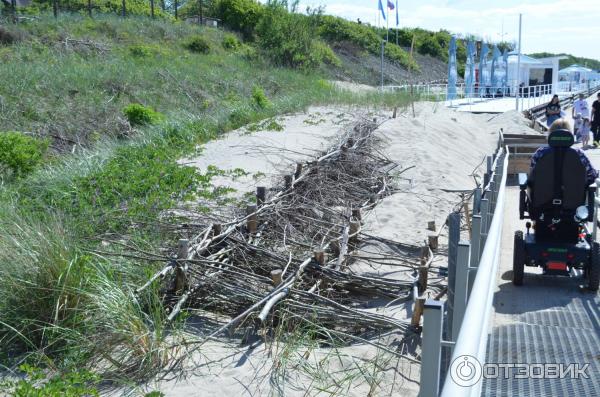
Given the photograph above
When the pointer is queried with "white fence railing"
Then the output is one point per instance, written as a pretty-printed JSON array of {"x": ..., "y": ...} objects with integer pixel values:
[
  {"x": 474, "y": 275},
  {"x": 531, "y": 95}
]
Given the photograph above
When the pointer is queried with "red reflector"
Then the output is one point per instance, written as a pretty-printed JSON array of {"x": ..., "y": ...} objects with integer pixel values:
[
  {"x": 556, "y": 266},
  {"x": 570, "y": 256},
  {"x": 545, "y": 254}
]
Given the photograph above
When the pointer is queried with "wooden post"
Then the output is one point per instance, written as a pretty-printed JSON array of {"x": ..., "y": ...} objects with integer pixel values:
[
  {"x": 424, "y": 254},
  {"x": 261, "y": 193},
  {"x": 395, "y": 111},
  {"x": 54, "y": 7},
  {"x": 252, "y": 222},
  {"x": 124, "y": 9},
  {"x": 183, "y": 248},
  {"x": 373, "y": 198},
  {"x": 176, "y": 7},
  {"x": 354, "y": 228},
  {"x": 432, "y": 240},
  {"x": 344, "y": 152},
  {"x": 276, "y": 276},
  {"x": 182, "y": 254},
  {"x": 468, "y": 217},
  {"x": 423, "y": 275},
  {"x": 89, "y": 8},
  {"x": 356, "y": 214},
  {"x": 350, "y": 142},
  {"x": 298, "y": 171},
  {"x": 431, "y": 226},
  {"x": 288, "y": 181},
  {"x": 335, "y": 248},
  {"x": 418, "y": 312},
  {"x": 152, "y": 8},
  {"x": 320, "y": 257},
  {"x": 216, "y": 229}
]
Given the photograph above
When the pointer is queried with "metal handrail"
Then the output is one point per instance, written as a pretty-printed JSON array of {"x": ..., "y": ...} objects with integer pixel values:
[{"x": 473, "y": 334}]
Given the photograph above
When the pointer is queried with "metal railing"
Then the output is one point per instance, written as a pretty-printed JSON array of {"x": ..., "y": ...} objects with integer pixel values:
[
  {"x": 530, "y": 96},
  {"x": 566, "y": 100},
  {"x": 476, "y": 266}
]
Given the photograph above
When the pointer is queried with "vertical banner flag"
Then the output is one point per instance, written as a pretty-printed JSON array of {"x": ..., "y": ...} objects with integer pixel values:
[
  {"x": 504, "y": 80},
  {"x": 452, "y": 74},
  {"x": 381, "y": 9},
  {"x": 484, "y": 71},
  {"x": 470, "y": 69},
  {"x": 397, "y": 19},
  {"x": 496, "y": 69}
]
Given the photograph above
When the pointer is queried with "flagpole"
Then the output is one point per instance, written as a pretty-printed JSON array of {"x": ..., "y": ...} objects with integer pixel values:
[
  {"x": 397, "y": 23},
  {"x": 387, "y": 29}
]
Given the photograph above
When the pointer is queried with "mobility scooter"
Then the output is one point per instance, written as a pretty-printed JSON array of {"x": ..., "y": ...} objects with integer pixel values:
[{"x": 559, "y": 201}]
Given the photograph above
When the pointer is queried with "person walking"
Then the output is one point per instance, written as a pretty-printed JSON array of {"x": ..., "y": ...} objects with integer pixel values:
[
  {"x": 581, "y": 106},
  {"x": 553, "y": 110},
  {"x": 596, "y": 119},
  {"x": 585, "y": 132}
]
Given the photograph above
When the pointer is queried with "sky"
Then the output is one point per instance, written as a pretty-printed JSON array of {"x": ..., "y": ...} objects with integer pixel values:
[{"x": 557, "y": 26}]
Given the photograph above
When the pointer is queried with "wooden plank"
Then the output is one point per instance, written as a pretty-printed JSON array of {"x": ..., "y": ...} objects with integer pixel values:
[{"x": 517, "y": 165}]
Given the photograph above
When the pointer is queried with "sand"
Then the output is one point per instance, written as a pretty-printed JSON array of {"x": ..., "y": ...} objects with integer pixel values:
[{"x": 446, "y": 150}]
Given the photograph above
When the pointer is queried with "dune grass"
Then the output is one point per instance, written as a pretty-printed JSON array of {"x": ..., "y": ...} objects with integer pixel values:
[{"x": 66, "y": 300}]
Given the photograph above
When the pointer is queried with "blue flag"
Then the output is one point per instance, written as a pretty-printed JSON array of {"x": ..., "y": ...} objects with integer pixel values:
[
  {"x": 496, "y": 68},
  {"x": 484, "y": 71},
  {"x": 470, "y": 69},
  {"x": 381, "y": 9},
  {"x": 397, "y": 18}
]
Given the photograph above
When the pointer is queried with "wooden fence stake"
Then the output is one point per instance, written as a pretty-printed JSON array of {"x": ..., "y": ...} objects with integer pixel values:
[
  {"x": 320, "y": 257},
  {"x": 418, "y": 312},
  {"x": 423, "y": 274},
  {"x": 431, "y": 226},
  {"x": 433, "y": 241},
  {"x": 276, "y": 276},
  {"x": 216, "y": 229},
  {"x": 261, "y": 194},
  {"x": 182, "y": 254},
  {"x": 252, "y": 222},
  {"x": 288, "y": 181},
  {"x": 298, "y": 170}
]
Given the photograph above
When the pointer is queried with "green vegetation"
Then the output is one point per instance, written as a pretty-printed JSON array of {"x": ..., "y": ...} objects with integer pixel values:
[
  {"x": 19, "y": 153},
  {"x": 67, "y": 297},
  {"x": 570, "y": 60},
  {"x": 71, "y": 384},
  {"x": 198, "y": 44},
  {"x": 141, "y": 115}
]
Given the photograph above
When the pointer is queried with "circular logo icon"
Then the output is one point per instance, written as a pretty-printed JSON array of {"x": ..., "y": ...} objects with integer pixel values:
[{"x": 465, "y": 371}]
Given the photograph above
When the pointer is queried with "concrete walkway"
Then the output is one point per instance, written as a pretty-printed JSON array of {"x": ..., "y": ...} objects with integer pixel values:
[{"x": 548, "y": 320}]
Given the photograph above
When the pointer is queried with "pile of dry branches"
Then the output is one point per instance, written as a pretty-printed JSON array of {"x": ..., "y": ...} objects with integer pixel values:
[{"x": 292, "y": 252}]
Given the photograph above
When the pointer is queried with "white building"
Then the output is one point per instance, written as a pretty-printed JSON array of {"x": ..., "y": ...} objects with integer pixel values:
[
  {"x": 533, "y": 71},
  {"x": 575, "y": 74}
]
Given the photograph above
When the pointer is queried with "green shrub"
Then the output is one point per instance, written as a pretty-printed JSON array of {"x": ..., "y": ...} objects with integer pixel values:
[
  {"x": 7, "y": 37},
  {"x": 230, "y": 42},
  {"x": 338, "y": 30},
  {"x": 19, "y": 153},
  {"x": 239, "y": 15},
  {"x": 36, "y": 384},
  {"x": 141, "y": 115},
  {"x": 288, "y": 38},
  {"x": 140, "y": 51},
  {"x": 429, "y": 46},
  {"x": 259, "y": 98},
  {"x": 198, "y": 44},
  {"x": 326, "y": 54}
]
